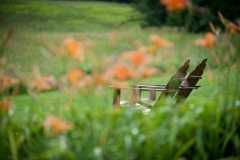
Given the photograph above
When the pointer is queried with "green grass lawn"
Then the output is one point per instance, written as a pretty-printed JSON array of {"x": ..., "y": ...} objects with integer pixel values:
[
  {"x": 68, "y": 16},
  {"x": 37, "y": 23},
  {"x": 202, "y": 128}
]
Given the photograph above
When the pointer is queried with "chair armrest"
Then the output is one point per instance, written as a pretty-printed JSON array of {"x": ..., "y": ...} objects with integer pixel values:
[
  {"x": 189, "y": 87},
  {"x": 155, "y": 88},
  {"x": 195, "y": 77},
  {"x": 150, "y": 86}
]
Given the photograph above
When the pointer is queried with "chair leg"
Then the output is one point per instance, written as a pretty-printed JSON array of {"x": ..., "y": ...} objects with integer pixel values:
[
  {"x": 152, "y": 95},
  {"x": 136, "y": 95},
  {"x": 116, "y": 98}
]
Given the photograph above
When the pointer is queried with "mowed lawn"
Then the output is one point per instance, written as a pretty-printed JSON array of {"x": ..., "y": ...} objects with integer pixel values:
[{"x": 38, "y": 24}]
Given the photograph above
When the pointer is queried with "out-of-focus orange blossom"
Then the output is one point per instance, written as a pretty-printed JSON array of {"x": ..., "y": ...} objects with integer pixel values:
[
  {"x": 75, "y": 75},
  {"x": 207, "y": 42},
  {"x": 118, "y": 83},
  {"x": 86, "y": 82},
  {"x": 121, "y": 72},
  {"x": 57, "y": 125},
  {"x": 172, "y": 5},
  {"x": 73, "y": 48},
  {"x": 44, "y": 83},
  {"x": 3, "y": 60},
  {"x": 148, "y": 72},
  {"x": 6, "y": 81},
  {"x": 157, "y": 43},
  {"x": 102, "y": 79},
  {"x": 234, "y": 28},
  {"x": 136, "y": 58},
  {"x": 5, "y": 105}
]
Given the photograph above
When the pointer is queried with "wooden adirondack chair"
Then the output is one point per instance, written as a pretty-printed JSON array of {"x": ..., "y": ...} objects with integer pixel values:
[{"x": 172, "y": 89}]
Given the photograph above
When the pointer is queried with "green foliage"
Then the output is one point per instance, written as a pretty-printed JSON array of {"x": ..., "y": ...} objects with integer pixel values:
[
  {"x": 153, "y": 13},
  {"x": 193, "y": 19},
  {"x": 198, "y": 22},
  {"x": 169, "y": 132}
]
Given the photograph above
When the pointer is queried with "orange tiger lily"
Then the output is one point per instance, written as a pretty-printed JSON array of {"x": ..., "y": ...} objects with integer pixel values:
[
  {"x": 5, "y": 105},
  {"x": 73, "y": 48},
  {"x": 57, "y": 125},
  {"x": 158, "y": 43},
  {"x": 136, "y": 57},
  {"x": 207, "y": 42},
  {"x": 75, "y": 75},
  {"x": 44, "y": 83},
  {"x": 234, "y": 28},
  {"x": 148, "y": 72},
  {"x": 172, "y": 5},
  {"x": 121, "y": 72}
]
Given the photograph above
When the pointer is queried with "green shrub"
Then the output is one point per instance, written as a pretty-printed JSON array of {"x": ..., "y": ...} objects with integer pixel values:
[
  {"x": 193, "y": 19},
  {"x": 153, "y": 13}
]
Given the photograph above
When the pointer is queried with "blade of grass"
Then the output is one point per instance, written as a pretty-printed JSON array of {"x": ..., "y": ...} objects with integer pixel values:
[
  {"x": 185, "y": 147},
  {"x": 12, "y": 144}
]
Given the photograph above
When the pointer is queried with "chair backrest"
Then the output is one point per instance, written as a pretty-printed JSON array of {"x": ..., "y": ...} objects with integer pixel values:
[
  {"x": 174, "y": 83},
  {"x": 176, "y": 80},
  {"x": 191, "y": 81}
]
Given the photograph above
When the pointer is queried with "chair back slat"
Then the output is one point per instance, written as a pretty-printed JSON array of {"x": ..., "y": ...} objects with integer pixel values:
[
  {"x": 176, "y": 80},
  {"x": 174, "y": 83},
  {"x": 191, "y": 81}
]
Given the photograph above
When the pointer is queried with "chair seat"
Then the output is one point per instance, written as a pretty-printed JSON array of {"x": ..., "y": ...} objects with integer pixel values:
[{"x": 136, "y": 106}]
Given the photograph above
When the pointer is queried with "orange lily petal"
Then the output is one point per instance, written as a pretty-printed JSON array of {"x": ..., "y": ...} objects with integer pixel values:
[
  {"x": 102, "y": 79},
  {"x": 233, "y": 28},
  {"x": 136, "y": 57},
  {"x": 74, "y": 75},
  {"x": 7, "y": 81},
  {"x": 148, "y": 72},
  {"x": 44, "y": 83},
  {"x": 172, "y": 5},
  {"x": 207, "y": 42},
  {"x": 5, "y": 105},
  {"x": 73, "y": 48},
  {"x": 158, "y": 42},
  {"x": 121, "y": 72},
  {"x": 57, "y": 125}
]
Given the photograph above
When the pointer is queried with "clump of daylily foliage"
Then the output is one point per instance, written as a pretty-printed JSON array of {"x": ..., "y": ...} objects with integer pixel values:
[{"x": 135, "y": 64}]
